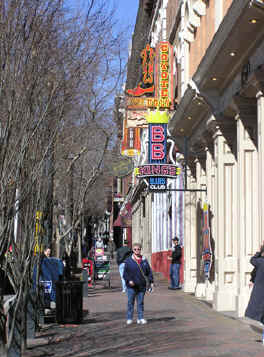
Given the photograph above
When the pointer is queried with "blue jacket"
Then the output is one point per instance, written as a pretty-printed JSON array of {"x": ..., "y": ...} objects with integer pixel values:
[
  {"x": 133, "y": 273},
  {"x": 50, "y": 270}
]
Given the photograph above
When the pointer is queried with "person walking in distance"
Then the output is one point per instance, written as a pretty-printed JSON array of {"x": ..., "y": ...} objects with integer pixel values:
[
  {"x": 175, "y": 264},
  {"x": 138, "y": 275},
  {"x": 111, "y": 247},
  {"x": 121, "y": 255}
]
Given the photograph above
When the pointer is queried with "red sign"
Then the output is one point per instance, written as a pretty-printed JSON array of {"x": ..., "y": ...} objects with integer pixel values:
[
  {"x": 157, "y": 144},
  {"x": 150, "y": 170},
  {"x": 131, "y": 141},
  {"x": 147, "y": 56},
  {"x": 147, "y": 86}
]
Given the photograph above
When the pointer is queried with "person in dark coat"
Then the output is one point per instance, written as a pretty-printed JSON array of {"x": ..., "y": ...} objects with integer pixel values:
[
  {"x": 137, "y": 274},
  {"x": 175, "y": 265},
  {"x": 255, "y": 308},
  {"x": 51, "y": 271}
]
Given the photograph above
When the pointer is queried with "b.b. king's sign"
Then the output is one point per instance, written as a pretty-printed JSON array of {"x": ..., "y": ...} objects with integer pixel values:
[
  {"x": 165, "y": 170},
  {"x": 157, "y": 154},
  {"x": 157, "y": 170},
  {"x": 157, "y": 174}
]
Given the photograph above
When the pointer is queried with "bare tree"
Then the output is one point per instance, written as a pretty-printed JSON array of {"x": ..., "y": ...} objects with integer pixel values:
[{"x": 56, "y": 77}]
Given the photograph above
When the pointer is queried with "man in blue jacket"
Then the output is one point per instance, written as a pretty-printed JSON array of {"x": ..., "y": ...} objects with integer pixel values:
[{"x": 137, "y": 275}]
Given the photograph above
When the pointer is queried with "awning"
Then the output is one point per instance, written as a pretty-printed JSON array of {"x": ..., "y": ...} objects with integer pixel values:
[{"x": 124, "y": 218}]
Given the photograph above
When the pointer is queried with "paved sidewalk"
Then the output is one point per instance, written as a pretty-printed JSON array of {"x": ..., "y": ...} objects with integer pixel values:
[{"x": 179, "y": 325}]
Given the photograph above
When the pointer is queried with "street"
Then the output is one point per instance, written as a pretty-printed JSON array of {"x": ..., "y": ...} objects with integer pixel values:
[{"x": 178, "y": 325}]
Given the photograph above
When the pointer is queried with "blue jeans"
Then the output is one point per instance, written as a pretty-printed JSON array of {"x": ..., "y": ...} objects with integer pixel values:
[
  {"x": 121, "y": 271},
  {"x": 175, "y": 275},
  {"x": 133, "y": 294}
]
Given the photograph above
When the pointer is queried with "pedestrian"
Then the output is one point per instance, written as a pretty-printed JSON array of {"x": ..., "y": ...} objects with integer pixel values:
[
  {"x": 111, "y": 247},
  {"x": 121, "y": 255},
  {"x": 137, "y": 275},
  {"x": 50, "y": 272},
  {"x": 255, "y": 308},
  {"x": 253, "y": 273},
  {"x": 175, "y": 265},
  {"x": 46, "y": 252},
  {"x": 99, "y": 243}
]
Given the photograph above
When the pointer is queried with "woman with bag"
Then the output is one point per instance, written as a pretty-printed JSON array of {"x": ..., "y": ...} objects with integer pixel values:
[{"x": 138, "y": 277}]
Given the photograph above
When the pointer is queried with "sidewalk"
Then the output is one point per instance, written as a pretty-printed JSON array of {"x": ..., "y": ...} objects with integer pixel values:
[{"x": 179, "y": 325}]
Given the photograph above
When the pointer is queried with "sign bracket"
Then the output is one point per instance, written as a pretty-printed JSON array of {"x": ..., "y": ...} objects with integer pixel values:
[{"x": 187, "y": 189}]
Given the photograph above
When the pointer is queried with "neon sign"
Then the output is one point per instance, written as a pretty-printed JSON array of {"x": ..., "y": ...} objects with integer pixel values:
[
  {"x": 157, "y": 170},
  {"x": 166, "y": 170},
  {"x": 147, "y": 55},
  {"x": 146, "y": 102},
  {"x": 164, "y": 73}
]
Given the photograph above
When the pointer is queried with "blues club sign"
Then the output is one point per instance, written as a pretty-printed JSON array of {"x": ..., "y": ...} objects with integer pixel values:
[{"x": 157, "y": 170}]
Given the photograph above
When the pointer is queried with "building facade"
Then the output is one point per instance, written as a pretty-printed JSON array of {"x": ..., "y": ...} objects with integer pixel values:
[{"x": 216, "y": 124}]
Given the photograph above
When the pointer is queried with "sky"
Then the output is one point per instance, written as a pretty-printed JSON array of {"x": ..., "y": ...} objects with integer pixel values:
[{"x": 127, "y": 12}]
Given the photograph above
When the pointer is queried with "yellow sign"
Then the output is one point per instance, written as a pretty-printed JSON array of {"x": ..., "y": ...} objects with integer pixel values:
[
  {"x": 38, "y": 230},
  {"x": 147, "y": 102},
  {"x": 157, "y": 117}
]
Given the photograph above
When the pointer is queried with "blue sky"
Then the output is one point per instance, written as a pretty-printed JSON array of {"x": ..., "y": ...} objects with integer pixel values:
[
  {"x": 125, "y": 16},
  {"x": 127, "y": 12}
]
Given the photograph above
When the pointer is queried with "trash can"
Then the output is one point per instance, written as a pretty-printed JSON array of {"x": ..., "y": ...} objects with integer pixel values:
[{"x": 69, "y": 302}]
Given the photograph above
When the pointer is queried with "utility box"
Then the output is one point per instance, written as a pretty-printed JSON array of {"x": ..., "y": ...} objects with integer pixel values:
[{"x": 69, "y": 302}]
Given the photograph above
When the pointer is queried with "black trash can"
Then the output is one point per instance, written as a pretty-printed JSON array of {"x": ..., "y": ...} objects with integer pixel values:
[{"x": 69, "y": 302}]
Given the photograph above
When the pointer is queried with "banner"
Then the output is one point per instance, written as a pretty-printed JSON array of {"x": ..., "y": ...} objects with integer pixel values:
[{"x": 206, "y": 251}]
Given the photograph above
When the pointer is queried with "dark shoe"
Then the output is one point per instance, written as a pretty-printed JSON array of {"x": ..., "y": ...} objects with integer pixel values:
[{"x": 170, "y": 288}]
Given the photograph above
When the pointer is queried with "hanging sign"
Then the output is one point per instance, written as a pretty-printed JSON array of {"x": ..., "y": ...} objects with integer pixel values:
[
  {"x": 157, "y": 154},
  {"x": 146, "y": 102},
  {"x": 153, "y": 170},
  {"x": 146, "y": 86},
  {"x": 157, "y": 170},
  {"x": 131, "y": 141},
  {"x": 156, "y": 90},
  {"x": 136, "y": 119},
  {"x": 207, "y": 250},
  {"x": 164, "y": 73}
]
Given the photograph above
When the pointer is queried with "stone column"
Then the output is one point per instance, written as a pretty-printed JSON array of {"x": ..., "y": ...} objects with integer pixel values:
[
  {"x": 190, "y": 240},
  {"x": 260, "y": 115},
  {"x": 211, "y": 200},
  {"x": 208, "y": 135},
  {"x": 200, "y": 200},
  {"x": 248, "y": 229},
  {"x": 226, "y": 245},
  {"x": 259, "y": 88},
  {"x": 149, "y": 222}
]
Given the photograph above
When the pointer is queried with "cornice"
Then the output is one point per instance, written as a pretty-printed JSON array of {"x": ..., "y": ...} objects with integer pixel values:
[
  {"x": 173, "y": 30},
  {"x": 246, "y": 107},
  {"x": 236, "y": 9}
]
